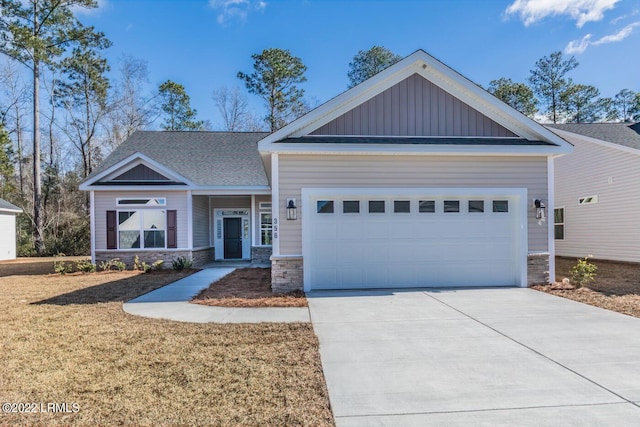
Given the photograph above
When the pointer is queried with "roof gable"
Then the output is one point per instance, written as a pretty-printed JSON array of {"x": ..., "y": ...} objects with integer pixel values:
[
  {"x": 414, "y": 107},
  {"x": 140, "y": 173},
  {"x": 451, "y": 83}
]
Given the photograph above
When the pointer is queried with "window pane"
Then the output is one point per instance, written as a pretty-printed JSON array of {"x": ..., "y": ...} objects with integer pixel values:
[
  {"x": 324, "y": 206},
  {"x": 265, "y": 237},
  {"x": 452, "y": 205},
  {"x": 476, "y": 205},
  {"x": 427, "y": 206},
  {"x": 129, "y": 221},
  {"x": 351, "y": 206},
  {"x": 401, "y": 206},
  {"x": 129, "y": 239},
  {"x": 155, "y": 220},
  {"x": 501, "y": 206},
  {"x": 559, "y": 232},
  {"x": 558, "y": 215},
  {"x": 376, "y": 206},
  {"x": 265, "y": 220},
  {"x": 154, "y": 239}
]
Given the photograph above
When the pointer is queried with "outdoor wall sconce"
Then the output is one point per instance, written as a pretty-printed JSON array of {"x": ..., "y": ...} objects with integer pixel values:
[
  {"x": 292, "y": 209},
  {"x": 540, "y": 209}
]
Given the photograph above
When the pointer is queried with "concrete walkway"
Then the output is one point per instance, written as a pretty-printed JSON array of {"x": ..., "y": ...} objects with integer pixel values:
[
  {"x": 484, "y": 357},
  {"x": 172, "y": 302}
]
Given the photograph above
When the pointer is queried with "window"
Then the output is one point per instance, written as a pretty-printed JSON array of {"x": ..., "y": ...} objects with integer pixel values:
[
  {"x": 351, "y": 206},
  {"x": 558, "y": 223},
  {"x": 142, "y": 229},
  {"x": 376, "y": 206},
  {"x": 143, "y": 202},
  {"x": 451, "y": 206},
  {"x": 265, "y": 205},
  {"x": 501, "y": 206},
  {"x": 588, "y": 200},
  {"x": 476, "y": 206},
  {"x": 401, "y": 206},
  {"x": 324, "y": 206},
  {"x": 266, "y": 229},
  {"x": 427, "y": 206}
]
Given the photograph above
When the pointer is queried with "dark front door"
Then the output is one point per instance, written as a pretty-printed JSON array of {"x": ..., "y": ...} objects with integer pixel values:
[{"x": 232, "y": 238}]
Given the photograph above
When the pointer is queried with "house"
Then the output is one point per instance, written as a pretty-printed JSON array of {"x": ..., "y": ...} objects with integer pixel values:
[
  {"x": 415, "y": 177},
  {"x": 8, "y": 214},
  {"x": 596, "y": 191}
]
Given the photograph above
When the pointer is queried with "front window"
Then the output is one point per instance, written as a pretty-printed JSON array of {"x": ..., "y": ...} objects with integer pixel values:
[
  {"x": 558, "y": 223},
  {"x": 266, "y": 229},
  {"x": 142, "y": 229}
]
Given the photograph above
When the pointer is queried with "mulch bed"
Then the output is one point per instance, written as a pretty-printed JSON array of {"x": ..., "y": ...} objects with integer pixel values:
[
  {"x": 248, "y": 287},
  {"x": 616, "y": 287}
]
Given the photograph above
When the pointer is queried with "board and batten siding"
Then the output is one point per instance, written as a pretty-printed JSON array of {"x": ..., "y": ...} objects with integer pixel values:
[
  {"x": 340, "y": 171},
  {"x": 609, "y": 229},
  {"x": 414, "y": 107},
  {"x": 200, "y": 206},
  {"x": 106, "y": 201}
]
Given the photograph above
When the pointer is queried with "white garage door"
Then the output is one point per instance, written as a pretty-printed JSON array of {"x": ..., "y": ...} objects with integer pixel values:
[{"x": 429, "y": 239}]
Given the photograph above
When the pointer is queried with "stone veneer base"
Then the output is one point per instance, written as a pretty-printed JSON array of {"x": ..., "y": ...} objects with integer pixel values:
[
  {"x": 286, "y": 274},
  {"x": 199, "y": 257},
  {"x": 537, "y": 269}
]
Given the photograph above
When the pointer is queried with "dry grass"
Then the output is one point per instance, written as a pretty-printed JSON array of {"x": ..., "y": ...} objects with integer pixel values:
[
  {"x": 66, "y": 339},
  {"x": 248, "y": 287},
  {"x": 616, "y": 287}
]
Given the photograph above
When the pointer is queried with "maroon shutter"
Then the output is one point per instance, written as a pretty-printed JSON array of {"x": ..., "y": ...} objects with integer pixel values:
[
  {"x": 111, "y": 230},
  {"x": 172, "y": 229}
]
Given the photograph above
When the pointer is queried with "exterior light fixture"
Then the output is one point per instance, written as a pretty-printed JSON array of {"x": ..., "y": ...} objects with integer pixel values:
[
  {"x": 292, "y": 209},
  {"x": 540, "y": 209}
]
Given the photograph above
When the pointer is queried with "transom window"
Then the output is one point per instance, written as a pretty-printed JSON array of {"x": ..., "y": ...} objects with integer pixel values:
[
  {"x": 142, "y": 229},
  {"x": 142, "y": 202},
  {"x": 588, "y": 200},
  {"x": 558, "y": 223}
]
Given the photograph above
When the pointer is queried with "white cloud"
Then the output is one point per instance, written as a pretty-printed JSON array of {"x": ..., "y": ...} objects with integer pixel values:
[
  {"x": 79, "y": 10},
  {"x": 579, "y": 46},
  {"x": 582, "y": 11},
  {"x": 235, "y": 9},
  {"x": 620, "y": 18}
]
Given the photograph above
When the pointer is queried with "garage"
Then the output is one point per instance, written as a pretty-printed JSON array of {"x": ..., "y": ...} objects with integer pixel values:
[{"x": 401, "y": 238}]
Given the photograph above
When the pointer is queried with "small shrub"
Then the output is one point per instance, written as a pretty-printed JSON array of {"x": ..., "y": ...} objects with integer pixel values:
[
  {"x": 181, "y": 263},
  {"x": 85, "y": 266},
  {"x": 583, "y": 272},
  {"x": 157, "y": 265},
  {"x": 113, "y": 264},
  {"x": 137, "y": 264},
  {"x": 60, "y": 266}
]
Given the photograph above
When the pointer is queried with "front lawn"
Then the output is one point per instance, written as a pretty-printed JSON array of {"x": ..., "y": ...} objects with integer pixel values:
[
  {"x": 616, "y": 287},
  {"x": 66, "y": 340}
]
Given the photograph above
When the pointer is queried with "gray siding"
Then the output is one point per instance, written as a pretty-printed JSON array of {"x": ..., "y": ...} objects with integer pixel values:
[
  {"x": 610, "y": 228},
  {"x": 298, "y": 171},
  {"x": 201, "y": 233},
  {"x": 414, "y": 107},
  {"x": 141, "y": 173},
  {"x": 106, "y": 201}
]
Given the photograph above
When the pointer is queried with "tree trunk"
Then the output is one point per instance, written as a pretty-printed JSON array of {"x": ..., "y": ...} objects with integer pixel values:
[{"x": 38, "y": 231}]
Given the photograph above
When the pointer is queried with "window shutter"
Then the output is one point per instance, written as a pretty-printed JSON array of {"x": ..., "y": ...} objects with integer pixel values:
[
  {"x": 172, "y": 229},
  {"x": 111, "y": 230}
]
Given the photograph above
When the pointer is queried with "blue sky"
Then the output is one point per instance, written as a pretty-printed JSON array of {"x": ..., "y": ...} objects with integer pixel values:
[{"x": 202, "y": 44}]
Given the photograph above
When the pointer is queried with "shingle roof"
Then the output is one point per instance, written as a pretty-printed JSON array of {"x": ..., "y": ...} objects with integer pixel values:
[
  {"x": 626, "y": 134},
  {"x": 410, "y": 140},
  {"x": 204, "y": 158},
  {"x": 6, "y": 206}
]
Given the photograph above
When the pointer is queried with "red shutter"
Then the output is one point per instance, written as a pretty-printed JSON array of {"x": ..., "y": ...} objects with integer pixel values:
[
  {"x": 172, "y": 229},
  {"x": 111, "y": 230}
]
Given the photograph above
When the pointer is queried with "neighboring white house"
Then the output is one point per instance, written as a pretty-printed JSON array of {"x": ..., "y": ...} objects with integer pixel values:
[
  {"x": 8, "y": 214},
  {"x": 597, "y": 189},
  {"x": 416, "y": 177}
]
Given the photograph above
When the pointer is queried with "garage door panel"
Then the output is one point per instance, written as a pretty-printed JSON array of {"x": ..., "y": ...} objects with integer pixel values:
[{"x": 415, "y": 249}]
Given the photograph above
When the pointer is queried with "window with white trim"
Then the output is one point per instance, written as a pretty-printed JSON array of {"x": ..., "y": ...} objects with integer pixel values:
[
  {"x": 142, "y": 229},
  {"x": 588, "y": 200},
  {"x": 558, "y": 223},
  {"x": 142, "y": 201},
  {"x": 266, "y": 229}
]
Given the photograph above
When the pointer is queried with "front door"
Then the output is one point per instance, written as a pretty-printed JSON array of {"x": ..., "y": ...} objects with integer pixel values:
[{"x": 232, "y": 238}]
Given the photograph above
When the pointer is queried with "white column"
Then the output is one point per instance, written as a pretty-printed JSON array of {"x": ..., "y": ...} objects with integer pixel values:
[
  {"x": 550, "y": 219},
  {"x": 92, "y": 220},
  {"x": 190, "y": 220},
  {"x": 275, "y": 203},
  {"x": 253, "y": 220}
]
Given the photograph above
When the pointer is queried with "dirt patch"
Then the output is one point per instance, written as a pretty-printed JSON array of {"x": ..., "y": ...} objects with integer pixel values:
[
  {"x": 616, "y": 287},
  {"x": 67, "y": 340},
  {"x": 248, "y": 287}
]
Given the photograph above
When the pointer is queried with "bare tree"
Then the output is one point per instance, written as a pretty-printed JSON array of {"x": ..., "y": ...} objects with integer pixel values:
[{"x": 234, "y": 110}]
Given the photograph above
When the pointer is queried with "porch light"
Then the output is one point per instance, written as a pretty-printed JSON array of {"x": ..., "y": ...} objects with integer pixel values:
[
  {"x": 292, "y": 209},
  {"x": 540, "y": 209}
]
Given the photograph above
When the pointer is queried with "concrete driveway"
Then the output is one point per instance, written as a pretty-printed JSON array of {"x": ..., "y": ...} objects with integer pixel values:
[{"x": 476, "y": 357}]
